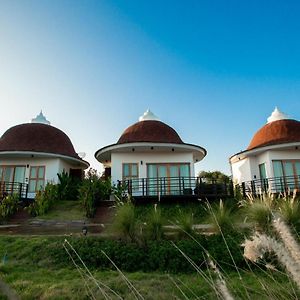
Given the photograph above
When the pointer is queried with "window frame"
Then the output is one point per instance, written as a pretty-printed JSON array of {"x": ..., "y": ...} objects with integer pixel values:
[
  {"x": 130, "y": 176},
  {"x": 36, "y": 179},
  {"x": 4, "y": 167}
]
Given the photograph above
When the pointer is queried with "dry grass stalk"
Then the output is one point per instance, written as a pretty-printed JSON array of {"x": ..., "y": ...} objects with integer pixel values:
[
  {"x": 135, "y": 292},
  {"x": 220, "y": 282},
  {"x": 288, "y": 240},
  {"x": 87, "y": 275},
  {"x": 260, "y": 244}
]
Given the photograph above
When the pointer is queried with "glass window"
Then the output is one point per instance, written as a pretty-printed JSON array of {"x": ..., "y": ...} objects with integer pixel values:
[
  {"x": 130, "y": 170},
  {"x": 184, "y": 171},
  {"x": 297, "y": 168},
  {"x": 37, "y": 178},
  {"x": 125, "y": 170},
  {"x": 19, "y": 174},
  {"x": 262, "y": 171},
  {"x": 41, "y": 172},
  {"x": 134, "y": 170},
  {"x": 277, "y": 167},
  {"x": 32, "y": 185},
  {"x": 12, "y": 174},
  {"x": 152, "y": 171},
  {"x": 9, "y": 174},
  {"x": 33, "y": 172}
]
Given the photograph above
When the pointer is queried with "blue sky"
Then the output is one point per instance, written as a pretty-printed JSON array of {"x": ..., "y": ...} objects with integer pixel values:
[{"x": 213, "y": 70}]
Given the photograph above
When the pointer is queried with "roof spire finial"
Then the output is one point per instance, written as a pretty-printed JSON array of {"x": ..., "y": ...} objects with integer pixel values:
[
  {"x": 148, "y": 116},
  {"x": 40, "y": 118},
  {"x": 277, "y": 115}
]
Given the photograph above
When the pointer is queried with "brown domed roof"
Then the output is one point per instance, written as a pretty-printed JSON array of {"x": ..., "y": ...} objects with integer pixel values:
[
  {"x": 276, "y": 132},
  {"x": 150, "y": 131},
  {"x": 36, "y": 137}
]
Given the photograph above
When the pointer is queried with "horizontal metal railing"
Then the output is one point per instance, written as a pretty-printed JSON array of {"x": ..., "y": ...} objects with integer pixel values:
[
  {"x": 270, "y": 185},
  {"x": 177, "y": 186},
  {"x": 13, "y": 188}
]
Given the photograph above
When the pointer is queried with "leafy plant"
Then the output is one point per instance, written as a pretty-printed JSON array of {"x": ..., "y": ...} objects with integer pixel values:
[
  {"x": 154, "y": 227},
  {"x": 221, "y": 217},
  {"x": 92, "y": 190},
  {"x": 43, "y": 200},
  {"x": 67, "y": 187},
  {"x": 289, "y": 209},
  {"x": 8, "y": 206},
  {"x": 215, "y": 176},
  {"x": 125, "y": 223},
  {"x": 259, "y": 210},
  {"x": 185, "y": 221}
]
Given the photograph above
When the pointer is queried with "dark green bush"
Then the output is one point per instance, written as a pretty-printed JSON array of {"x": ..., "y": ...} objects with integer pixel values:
[
  {"x": 155, "y": 255},
  {"x": 68, "y": 187},
  {"x": 92, "y": 190}
]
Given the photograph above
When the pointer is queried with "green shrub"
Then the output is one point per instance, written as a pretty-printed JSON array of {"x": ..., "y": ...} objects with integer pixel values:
[
  {"x": 289, "y": 208},
  {"x": 185, "y": 221},
  {"x": 154, "y": 225},
  {"x": 43, "y": 200},
  {"x": 155, "y": 255},
  {"x": 125, "y": 223},
  {"x": 259, "y": 210},
  {"x": 67, "y": 187},
  {"x": 8, "y": 206},
  {"x": 92, "y": 190},
  {"x": 221, "y": 217}
]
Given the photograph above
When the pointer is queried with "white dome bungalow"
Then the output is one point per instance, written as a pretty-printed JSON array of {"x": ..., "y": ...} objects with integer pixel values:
[
  {"x": 32, "y": 154},
  {"x": 152, "y": 160},
  {"x": 272, "y": 160}
]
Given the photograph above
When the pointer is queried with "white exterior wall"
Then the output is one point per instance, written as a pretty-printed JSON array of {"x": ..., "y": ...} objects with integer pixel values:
[
  {"x": 241, "y": 170},
  {"x": 117, "y": 160},
  {"x": 245, "y": 169},
  {"x": 53, "y": 166}
]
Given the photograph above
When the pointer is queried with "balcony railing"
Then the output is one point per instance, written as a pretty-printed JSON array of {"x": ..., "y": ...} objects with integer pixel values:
[
  {"x": 272, "y": 185},
  {"x": 177, "y": 186},
  {"x": 10, "y": 188}
]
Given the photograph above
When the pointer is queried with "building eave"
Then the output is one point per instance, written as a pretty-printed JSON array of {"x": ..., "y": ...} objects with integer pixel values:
[
  {"x": 29, "y": 154},
  {"x": 103, "y": 155},
  {"x": 255, "y": 151}
]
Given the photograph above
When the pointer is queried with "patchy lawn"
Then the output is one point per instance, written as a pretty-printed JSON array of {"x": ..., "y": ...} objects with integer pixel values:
[
  {"x": 26, "y": 266},
  {"x": 65, "y": 210}
]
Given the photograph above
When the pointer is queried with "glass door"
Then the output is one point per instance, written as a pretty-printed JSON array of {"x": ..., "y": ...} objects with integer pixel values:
[
  {"x": 19, "y": 174},
  {"x": 262, "y": 171},
  {"x": 152, "y": 180},
  {"x": 174, "y": 180},
  {"x": 162, "y": 179},
  {"x": 289, "y": 175}
]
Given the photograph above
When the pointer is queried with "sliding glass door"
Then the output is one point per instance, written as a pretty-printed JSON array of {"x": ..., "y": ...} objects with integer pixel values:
[
  {"x": 287, "y": 174},
  {"x": 12, "y": 174},
  {"x": 168, "y": 179}
]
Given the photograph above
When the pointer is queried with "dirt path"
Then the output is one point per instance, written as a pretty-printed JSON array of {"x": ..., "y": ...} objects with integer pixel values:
[{"x": 22, "y": 224}]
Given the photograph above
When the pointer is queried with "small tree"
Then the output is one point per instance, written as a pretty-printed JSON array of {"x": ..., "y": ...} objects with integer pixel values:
[
  {"x": 92, "y": 190},
  {"x": 214, "y": 176}
]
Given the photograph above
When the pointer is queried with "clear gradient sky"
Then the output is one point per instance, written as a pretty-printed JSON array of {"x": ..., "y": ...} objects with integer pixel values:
[{"x": 213, "y": 70}]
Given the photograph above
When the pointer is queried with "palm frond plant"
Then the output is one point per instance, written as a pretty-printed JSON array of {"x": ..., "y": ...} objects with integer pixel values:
[
  {"x": 259, "y": 210},
  {"x": 221, "y": 217},
  {"x": 185, "y": 221}
]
